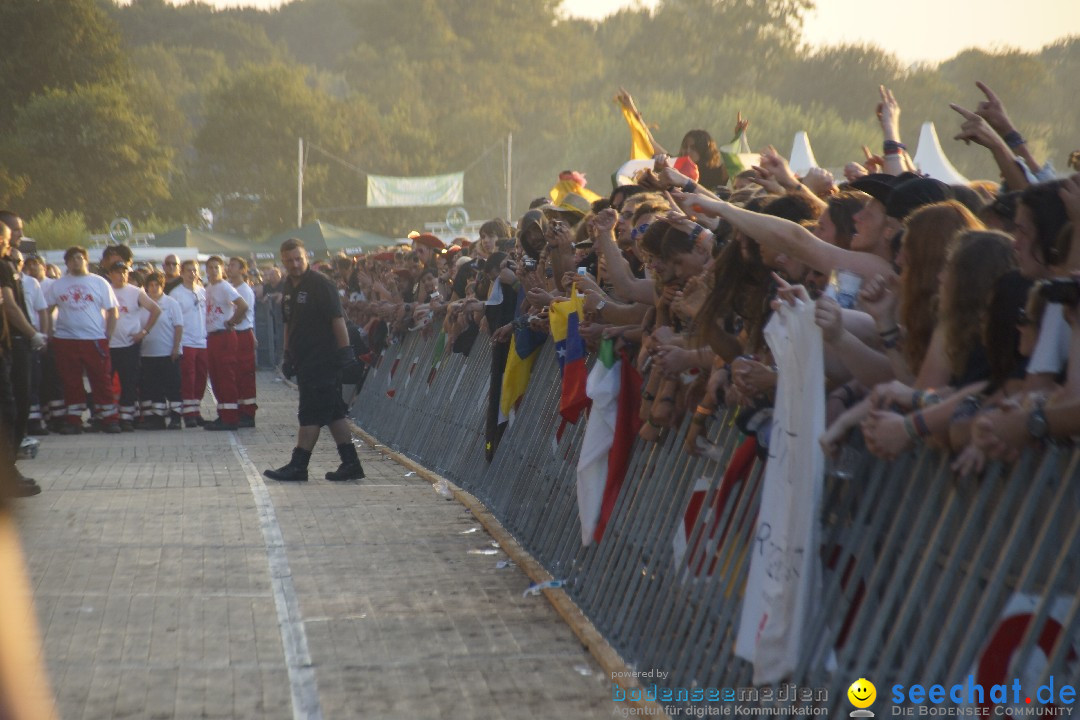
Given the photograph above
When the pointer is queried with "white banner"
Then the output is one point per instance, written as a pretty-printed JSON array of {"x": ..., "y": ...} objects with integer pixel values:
[
  {"x": 784, "y": 585},
  {"x": 385, "y": 191}
]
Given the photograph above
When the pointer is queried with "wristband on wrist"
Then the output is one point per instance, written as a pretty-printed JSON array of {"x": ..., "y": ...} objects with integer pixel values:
[
  {"x": 892, "y": 147},
  {"x": 696, "y": 233},
  {"x": 920, "y": 425},
  {"x": 689, "y": 187},
  {"x": 702, "y": 410},
  {"x": 909, "y": 428},
  {"x": 1014, "y": 139}
]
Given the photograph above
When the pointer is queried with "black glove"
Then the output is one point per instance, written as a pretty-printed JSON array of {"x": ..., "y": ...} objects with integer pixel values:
[
  {"x": 346, "y": 358},
  {"x": 288, "y": 366}
]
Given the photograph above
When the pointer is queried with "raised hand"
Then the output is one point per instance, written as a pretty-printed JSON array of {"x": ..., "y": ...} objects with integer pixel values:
[
  {"x": 777, "y": 167},
  {"x": 993, "y": 111},
  {"x": 874, "y": 163},
  {"x": 975, "y": 129},
  {"x": 741, "y": 124},
  {"x": 819, "y": 181},
  {"x": 853, "y": 170},
  {"x": 888, "y": 114}
]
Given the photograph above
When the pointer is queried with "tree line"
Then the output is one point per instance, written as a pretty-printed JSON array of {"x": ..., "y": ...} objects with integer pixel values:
[{"x": 153, "y": 111}]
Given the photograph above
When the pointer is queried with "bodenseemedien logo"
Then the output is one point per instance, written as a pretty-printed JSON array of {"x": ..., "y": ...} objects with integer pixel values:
[{"x": 862, "y": 695}]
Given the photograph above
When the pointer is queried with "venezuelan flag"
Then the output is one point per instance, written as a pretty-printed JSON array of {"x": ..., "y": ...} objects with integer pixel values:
[{"x": 565, "y": 318}]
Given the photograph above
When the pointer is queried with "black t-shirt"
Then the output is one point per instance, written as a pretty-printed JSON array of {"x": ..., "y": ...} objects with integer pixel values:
[
  {"x": 8, "y": 279},
  {"x": 172, "y": 283},
  {"x": 309, "y": 308},
  {"x": 504, "y": 312}
]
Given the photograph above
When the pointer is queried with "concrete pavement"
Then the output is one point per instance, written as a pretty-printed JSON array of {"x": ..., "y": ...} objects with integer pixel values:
[{"x": 172, "y": 581}]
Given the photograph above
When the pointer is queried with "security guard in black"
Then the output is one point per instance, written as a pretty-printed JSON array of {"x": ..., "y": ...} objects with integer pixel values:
[{"x": 309, "y": 308}]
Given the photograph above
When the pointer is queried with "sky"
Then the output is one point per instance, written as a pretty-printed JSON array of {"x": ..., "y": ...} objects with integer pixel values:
[{"x": 951, "y": 25}]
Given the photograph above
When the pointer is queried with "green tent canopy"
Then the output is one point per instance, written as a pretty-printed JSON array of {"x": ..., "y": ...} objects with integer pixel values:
[
  {"x": 209, "y": 243},
  {"x": 322, "y": 239}
]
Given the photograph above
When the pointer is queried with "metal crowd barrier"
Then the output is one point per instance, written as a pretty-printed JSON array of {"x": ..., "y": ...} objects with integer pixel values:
[
  {"x": 269, "y": 334},
  {"x": 919, "y": 564}
]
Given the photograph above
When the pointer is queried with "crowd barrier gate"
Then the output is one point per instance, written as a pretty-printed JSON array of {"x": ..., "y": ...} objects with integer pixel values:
[{"x": 928, "y": 577}]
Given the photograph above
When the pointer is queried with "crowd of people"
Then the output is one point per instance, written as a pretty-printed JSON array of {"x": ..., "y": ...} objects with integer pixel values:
[
  {"x": 143, "y": 340},
  {"x": 946, "y": 310}
]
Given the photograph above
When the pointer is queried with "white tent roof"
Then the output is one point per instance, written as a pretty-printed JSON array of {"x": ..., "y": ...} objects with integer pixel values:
[
  {"x": 802, "y": 155},
  {"x": 931, "y": 160}
]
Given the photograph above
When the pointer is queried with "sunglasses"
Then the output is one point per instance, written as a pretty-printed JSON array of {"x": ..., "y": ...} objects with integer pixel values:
[{"x": 639, "y": 231}]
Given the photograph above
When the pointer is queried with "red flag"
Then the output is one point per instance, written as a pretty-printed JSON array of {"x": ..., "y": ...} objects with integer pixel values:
[
  {"x": 627, "y": 424},
  {"x": 573, "y": 399}
]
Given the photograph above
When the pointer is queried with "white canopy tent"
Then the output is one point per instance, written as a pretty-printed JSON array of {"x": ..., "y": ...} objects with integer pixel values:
[
  {"x": 931, "y": 160},
  {"x": 802, "y": 155}
]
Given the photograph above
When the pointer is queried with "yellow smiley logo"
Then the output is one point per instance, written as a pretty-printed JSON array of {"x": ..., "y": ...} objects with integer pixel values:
[{"x": 862, "y": 693}]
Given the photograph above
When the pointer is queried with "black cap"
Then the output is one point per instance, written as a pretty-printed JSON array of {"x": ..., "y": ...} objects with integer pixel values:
[
  {"x": 910, "y": 195},
  {"x": 877, "y": 185}
]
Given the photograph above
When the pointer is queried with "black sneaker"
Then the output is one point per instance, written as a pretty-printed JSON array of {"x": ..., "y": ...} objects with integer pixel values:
[
  {"x": 126, "y": 426},
  {"x": 151, "y": 422},
  {"x": 111, "y": 428},
  {"x": 174, "y": 423},
  {"x": 190, "y": 422},
  {"x": 287, "y": 473},
  {"x": 26, "y": 488},
  {"x": 70, "y": 429},
  {"x": 347, "y": 471},
  {"x": 246, "y": 421},
  {"x": 219, "y": 424}
]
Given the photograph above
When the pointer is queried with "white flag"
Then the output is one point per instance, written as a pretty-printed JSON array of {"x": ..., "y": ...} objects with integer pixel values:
[
  {"x": 602, "y": 387},
  {"x": 784, "y": 585}
]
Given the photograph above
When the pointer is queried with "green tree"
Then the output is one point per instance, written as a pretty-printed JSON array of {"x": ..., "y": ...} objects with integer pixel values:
[
  {"x": 55, "y": 44},
  {"x": 247, "y": 147},
  {"x": 87, "y": 150},
  {"x": 54, "y": 231}
]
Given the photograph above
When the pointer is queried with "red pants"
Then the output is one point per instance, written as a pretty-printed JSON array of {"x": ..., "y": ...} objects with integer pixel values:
[
  {"x": 245, "y": 372},
  {"x": 73, "y": 357},
  {"x": 192, "y": 380},
  {"x": 221, "y": 350}
]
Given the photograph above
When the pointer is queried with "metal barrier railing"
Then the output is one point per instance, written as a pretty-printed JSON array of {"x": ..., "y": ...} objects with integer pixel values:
[{"x": 921, "y": 566}]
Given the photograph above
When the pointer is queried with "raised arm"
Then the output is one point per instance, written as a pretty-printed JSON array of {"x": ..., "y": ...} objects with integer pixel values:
[{"x": 789, "y": 238}]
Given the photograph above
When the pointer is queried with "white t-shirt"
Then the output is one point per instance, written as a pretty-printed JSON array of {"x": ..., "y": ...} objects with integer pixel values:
[
  {"x": 80, "y": 301},
  {"x": 35, "y": 299},
  {"x": 129, "y": 321},
  {"x": 219, "y": 305},
  {"x": 193, "y": 307},
  {"x": 1051, "y": 353},
  {"x": 249, "y": 297},
  {"x": 159, "y": 341}
]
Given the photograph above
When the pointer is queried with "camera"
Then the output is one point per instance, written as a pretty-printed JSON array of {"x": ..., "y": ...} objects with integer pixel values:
[
  {"x": 1063, "y": 291},
  {"x": 528, "y": 263}
]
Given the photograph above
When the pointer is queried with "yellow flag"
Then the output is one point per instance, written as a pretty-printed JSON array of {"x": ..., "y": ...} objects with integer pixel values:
[{"x": 640, "y": 146}]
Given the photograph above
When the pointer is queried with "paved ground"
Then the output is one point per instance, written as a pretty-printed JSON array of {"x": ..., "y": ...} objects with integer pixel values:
[{"x": 162, "y": 562}]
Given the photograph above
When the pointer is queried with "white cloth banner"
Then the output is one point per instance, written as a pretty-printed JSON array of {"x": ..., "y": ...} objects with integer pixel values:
[
  {"x": 784, "y": 585},
  {"x": 602, "y": 387},
  {"x": 385, "y": 191}
]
